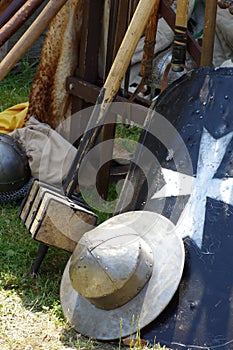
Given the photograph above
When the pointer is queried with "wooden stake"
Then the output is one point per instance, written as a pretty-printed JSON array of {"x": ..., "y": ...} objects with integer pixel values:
[
  {"x": 180, "y": 38},
  {"x": 149, "y": 43},
  {"x": 18, "y": 19},
  {"x": 29, "y": 37},
  {"x": 209, "y": 33}
]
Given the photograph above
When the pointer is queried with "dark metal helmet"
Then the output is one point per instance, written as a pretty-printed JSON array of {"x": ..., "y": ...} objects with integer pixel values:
[{"x": 14, "y": 166}]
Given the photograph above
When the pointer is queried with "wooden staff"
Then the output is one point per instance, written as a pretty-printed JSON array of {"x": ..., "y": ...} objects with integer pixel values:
[
  {"x": 180, "y": 36},
  {"x": 18, "y": 19},
  {"x": 111, "y": 86},
  {"x": 148, "y": 51},
  {"x": 149, "y": 43},
  {"x": 29, "y": 37},
  {"x": 11, "y": 9},
  {"x": 209, "y": 33}
]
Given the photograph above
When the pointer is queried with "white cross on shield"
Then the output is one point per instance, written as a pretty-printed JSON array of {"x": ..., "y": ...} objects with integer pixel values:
[{"x": 192, "y": 219}]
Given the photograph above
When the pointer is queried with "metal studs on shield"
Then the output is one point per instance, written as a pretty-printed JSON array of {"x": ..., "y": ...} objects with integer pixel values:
[
  {"x": 200, "y": 106},
  {"x": 120, "y": 276}
]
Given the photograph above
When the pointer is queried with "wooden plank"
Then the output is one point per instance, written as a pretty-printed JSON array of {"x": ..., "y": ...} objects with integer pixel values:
[
  {"x": 89, "y": 92},
  {"x": 90, "y": 41},
  {"x": 118, "y": 24},
  {"x": 112, "y": 32},
  {"x": 61, "y": 223},
  {"x": 53, "y": 219},
  {"x": 28, "y": 201},
  {"x": 87, "y": 68}
]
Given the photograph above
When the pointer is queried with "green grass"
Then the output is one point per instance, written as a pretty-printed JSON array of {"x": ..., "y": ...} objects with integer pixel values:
[
  {"x": 15, "y": 87},
  {"x": 22, "y": 294},
  {"x": 18, "y": 251}
]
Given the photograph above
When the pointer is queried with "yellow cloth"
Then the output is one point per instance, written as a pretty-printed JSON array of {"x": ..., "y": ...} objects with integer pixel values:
[{"x": 13, "y": 118}]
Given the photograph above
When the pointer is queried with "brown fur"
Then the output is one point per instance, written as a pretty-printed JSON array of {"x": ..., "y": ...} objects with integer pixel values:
[{"x": 49, "y": 101}]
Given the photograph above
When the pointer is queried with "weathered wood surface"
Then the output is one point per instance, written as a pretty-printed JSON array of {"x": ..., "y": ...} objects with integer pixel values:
[
  {"x": 209, "y": 33},
  {"x": 60, "y": 223},
  {"x": 28, "y": 201},
  {"x": 53, "y": 219}
]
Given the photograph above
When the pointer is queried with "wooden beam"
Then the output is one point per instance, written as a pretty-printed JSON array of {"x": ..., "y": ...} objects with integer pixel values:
[{"x": 89, "y": 92}]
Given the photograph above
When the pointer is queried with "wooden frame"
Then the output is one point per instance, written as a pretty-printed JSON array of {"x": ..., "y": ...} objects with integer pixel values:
[{"x": 86, "y": 84}]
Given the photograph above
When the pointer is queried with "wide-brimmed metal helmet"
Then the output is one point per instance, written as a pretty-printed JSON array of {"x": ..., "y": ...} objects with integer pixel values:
[
  {"x": 14, "y": 169},
  {"x": 122, "y": 274}
]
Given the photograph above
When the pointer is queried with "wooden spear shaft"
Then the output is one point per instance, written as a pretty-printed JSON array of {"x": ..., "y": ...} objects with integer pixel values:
[
  {"x": 209, "y": 33},
  {"x": 18, "y": 19},
  {"x": 180, "y": 36},
  {"x": 127, "y": 48},
  {"x": 29, "y": 37},
  {"x": 11, "y": 9},
  {"x": 149, "y": 43}
]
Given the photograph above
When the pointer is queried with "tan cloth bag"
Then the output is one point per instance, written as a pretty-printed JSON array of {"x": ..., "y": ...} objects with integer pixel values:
[{"x": 50, "y": 155}]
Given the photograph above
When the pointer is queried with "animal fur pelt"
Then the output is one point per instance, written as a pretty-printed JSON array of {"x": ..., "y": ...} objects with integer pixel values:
[{"x": 49, "y": 101}]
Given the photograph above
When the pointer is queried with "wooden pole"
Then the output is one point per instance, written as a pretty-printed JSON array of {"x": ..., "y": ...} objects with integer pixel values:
[
  {"x": 209, "y": 33},
  {"x": 29, "y": 37},
  {"x": 15, "y": 22},
  {"x": 11, "y": 9},
  {"x": 127, "y": 48},
  {"x": 180, "y": 37},
  {"x": 111, "y": 86},
  {"x": 149, "y": 43}
]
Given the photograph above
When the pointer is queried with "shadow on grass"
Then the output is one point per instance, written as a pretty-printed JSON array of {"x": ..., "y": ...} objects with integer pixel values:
[{"x": 17, "y": 254}]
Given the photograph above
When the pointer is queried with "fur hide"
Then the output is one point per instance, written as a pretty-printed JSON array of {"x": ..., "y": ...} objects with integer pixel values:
[{"x": 49, "y": 101}]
